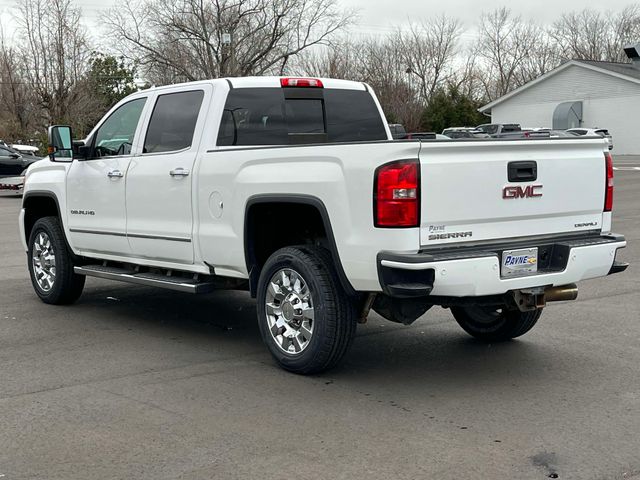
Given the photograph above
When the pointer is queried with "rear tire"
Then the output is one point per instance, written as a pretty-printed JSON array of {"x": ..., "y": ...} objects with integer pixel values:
[
  {"x": 50, "y": 264},
  {"x": 306, "y": 319},
  {"x": 494, "y": 324}
]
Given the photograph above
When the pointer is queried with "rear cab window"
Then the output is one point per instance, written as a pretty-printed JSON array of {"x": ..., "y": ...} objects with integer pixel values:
[{"x": 289, "y": 116}]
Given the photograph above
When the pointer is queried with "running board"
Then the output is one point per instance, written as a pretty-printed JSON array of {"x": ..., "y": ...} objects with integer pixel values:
[{"x": 181, "y": 284}]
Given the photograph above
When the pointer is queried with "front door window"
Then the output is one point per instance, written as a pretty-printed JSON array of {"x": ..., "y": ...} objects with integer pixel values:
[{"x": 115, "y": 135}]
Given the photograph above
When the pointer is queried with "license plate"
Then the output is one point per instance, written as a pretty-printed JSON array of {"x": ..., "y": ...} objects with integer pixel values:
[{"x": 520, "y": 262}]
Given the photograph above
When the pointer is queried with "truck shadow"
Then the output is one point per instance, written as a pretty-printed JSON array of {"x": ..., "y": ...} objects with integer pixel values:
[
  {"x": 432, "y": 353},
  {"x": 433, "y": 349},
  {"x": 213, "y": 315}
]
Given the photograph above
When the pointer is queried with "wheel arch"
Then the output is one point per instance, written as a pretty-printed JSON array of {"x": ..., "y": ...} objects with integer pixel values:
[
  {"x": 310, "y": 203},
  {"x": 38, "y": 204}
]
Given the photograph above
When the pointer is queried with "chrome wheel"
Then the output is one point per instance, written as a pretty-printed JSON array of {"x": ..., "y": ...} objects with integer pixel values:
[
  {"x": 289, "y": 311},
  {"x": 43, "y": 259}
]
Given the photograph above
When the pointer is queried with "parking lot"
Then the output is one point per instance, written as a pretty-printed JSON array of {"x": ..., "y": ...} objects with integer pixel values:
[{"x": 138, "y": 383}]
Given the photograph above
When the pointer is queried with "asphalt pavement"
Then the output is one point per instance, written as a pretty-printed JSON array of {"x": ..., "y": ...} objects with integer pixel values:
[{"x": 139, "y": 383}]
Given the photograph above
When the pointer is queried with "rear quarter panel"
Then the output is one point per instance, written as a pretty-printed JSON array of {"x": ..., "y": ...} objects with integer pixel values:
[{"x": 339, "y": 175}]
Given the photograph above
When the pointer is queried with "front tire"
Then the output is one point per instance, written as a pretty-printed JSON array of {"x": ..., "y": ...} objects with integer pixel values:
[
  {"x": 51, "y": 265},
  {"x": 306, "y": 319},
  {"x": 495, "y": 324}
]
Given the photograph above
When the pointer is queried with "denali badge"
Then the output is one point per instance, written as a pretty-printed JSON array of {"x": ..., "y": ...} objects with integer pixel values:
[{"x": 518, "y": 192}]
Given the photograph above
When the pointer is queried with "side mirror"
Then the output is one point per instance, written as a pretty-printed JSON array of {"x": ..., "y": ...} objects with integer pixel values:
[
  {"x": 60, "y": 143},
  {"x": 81, "y": 150}
]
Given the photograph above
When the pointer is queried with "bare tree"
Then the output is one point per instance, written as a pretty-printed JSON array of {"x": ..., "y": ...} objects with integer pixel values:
[
  {"x": 405, "y": 68},
  {"x": 55, "y": 53},
  {"x": 468, "y": 78},
  {"x": 377, "y": 62},
  {"x": 505, "y": 44},
  {"x": 544, "y": 55},
  {"x": 15, "y": 96},
  {"x": 592, "y": 35},
  {"x": 194, "y": 39},
  {"x": 428, "y": 50}
]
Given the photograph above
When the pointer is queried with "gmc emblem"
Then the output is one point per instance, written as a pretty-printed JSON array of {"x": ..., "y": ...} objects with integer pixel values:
[{"x": 519, "y": 192}]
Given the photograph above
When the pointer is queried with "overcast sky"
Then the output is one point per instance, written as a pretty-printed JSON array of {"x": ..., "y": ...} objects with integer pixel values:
[{"x": 380, "y": 16}]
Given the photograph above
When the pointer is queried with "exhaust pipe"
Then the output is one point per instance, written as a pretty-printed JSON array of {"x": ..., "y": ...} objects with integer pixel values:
[
  {"x": 561, "y": 293},
  {"x": 530, "y": 299}
]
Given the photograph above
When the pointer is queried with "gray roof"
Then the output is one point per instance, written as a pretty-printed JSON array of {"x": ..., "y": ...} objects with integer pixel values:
[
  {"x": 614, "y": 68},
  {"x": 621, "y": 68}
]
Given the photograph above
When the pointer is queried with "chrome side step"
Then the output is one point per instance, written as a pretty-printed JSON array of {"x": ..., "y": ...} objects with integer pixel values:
[{"x": 181, "y": 284}]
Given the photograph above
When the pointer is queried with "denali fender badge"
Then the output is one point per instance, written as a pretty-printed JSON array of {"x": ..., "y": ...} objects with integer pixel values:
[{"x": 529, "y": 191}]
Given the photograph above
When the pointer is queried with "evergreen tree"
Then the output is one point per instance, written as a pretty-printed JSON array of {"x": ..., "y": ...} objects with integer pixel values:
[{"x": 450, "y": 108}]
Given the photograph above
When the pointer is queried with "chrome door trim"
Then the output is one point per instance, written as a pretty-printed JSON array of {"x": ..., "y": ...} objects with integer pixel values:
[{"x": 134, "y": 235}]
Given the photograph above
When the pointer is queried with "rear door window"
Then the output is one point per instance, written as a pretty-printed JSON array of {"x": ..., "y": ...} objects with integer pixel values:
[
  {"x": 173, "y": 122},
  {"x": 266, "y": 116}
]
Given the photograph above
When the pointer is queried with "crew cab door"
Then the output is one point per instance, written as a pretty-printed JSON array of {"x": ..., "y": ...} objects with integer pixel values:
[
  {"x": 159, "y": 180},
  {"x": 96, "y": 186}
]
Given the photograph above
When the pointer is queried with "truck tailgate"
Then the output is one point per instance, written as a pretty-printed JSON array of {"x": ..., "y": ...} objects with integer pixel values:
[{"x": 466, "y": 195}]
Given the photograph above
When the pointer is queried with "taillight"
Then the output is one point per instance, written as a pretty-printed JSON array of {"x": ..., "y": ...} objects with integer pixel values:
[
  {"x": 301, "y": 82},
  {"x": 608, "y": 195},
  {"x": 396, "y": 193}
]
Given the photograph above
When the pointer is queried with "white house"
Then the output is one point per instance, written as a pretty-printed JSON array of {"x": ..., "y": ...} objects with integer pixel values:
[{"x": 580, "y": 93}]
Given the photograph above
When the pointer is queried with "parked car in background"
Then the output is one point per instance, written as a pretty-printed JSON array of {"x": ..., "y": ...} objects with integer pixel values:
[
  {"x": 509, "y": 130},
  {"x": 12, "y": 185},
  {"x": 497, "y": 130},
  {"x": 397, "y": 131},
  {"x": 553, "y": 133},
  {"x": 420, "y": 135},
  {"x": 464, "y": 132},
  {"x": 14, "y": 163},
  {"x": 26, "y": 149},
  {"x": 590, "y": 132}
]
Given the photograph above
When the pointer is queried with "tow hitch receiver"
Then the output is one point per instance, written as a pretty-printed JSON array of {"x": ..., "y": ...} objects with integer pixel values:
[{"x": 532, "y": 298}]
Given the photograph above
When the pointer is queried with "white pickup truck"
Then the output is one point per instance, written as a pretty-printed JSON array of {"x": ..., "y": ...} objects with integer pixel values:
[{"x": 293, "y": 189}]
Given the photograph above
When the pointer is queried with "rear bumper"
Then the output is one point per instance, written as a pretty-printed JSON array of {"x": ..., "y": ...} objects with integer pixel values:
[{"x": 475, "y": 271}]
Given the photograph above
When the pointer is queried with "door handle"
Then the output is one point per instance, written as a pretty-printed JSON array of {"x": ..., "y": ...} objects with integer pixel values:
[
  {"x": 179, "y": 172},
  {"x": 115, "y": 174}
]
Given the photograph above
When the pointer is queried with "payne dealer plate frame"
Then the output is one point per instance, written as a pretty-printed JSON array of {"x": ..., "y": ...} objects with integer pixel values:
[{"x": 519, "y": 263}]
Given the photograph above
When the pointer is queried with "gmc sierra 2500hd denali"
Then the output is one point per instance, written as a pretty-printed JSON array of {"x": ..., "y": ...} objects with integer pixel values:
[{"x": 293, "y": 189}]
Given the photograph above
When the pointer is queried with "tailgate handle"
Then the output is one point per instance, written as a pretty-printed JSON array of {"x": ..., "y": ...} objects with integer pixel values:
[{"x": 522, "y": 171}]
